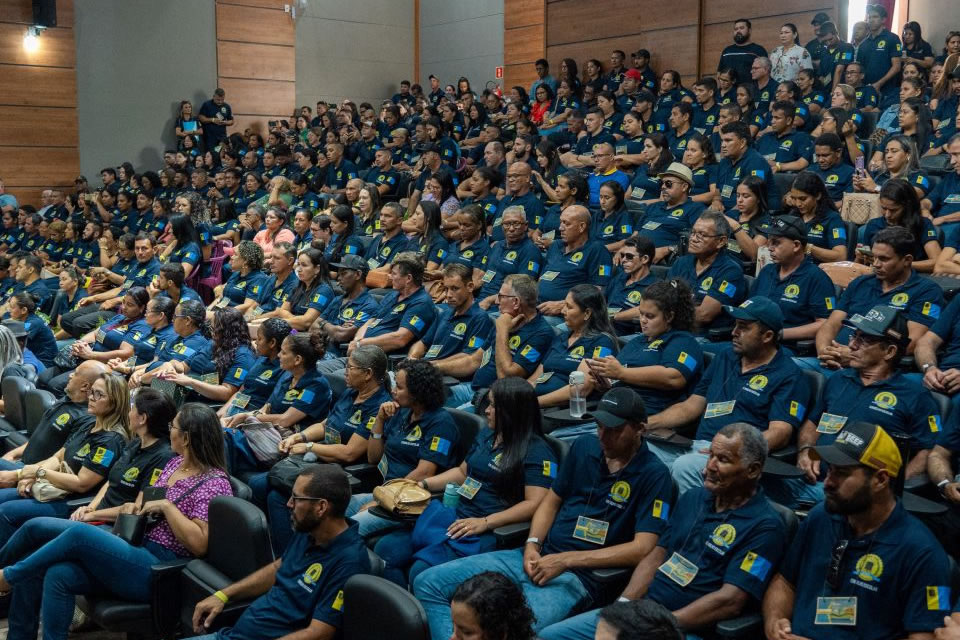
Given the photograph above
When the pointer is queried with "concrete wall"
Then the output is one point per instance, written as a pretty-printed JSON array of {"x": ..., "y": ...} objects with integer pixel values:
[
  {"x": 357, "y": 50},
  {"x": 937, "y": 18},
  {"x": 461, "y": 37},
  {"x": 136, "y": 59}
]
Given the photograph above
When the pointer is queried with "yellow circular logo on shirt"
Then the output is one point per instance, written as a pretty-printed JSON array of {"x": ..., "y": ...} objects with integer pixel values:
[
  {"x": 885, "y": 400},
  {"x": 724, "y": 535},
  {"x": 514, "y": 342},
  {"x": 869, "y": 567},
  {"x": 634, "y": 297},
  {"x": 900, "y": 299},
  {"x": 620, "y": 492},
  {"x": 758, "y": 382},
  {"x": 460, "y": 329},
  {"x": 414, "y": 435},
  {"x": 312, "y": 574},
  {"x": 792, "y": 291}
]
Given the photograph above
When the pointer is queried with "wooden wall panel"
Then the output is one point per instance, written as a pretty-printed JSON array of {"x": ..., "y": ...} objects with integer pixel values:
[
  {"x": 254, "y": 24},
  {"x": 38, "y": 86},
  {"x": 38, "y": 127},
  {"x": 524, "y": 40},
  {"x": 259, "y": 61},
  {"x": 40, "y": 166},
  {"x": 575, "y": 21},
  {"x": 716, "y": 11},
  {"x": 256, "y": 61},
  {"x": 38, "y": 100}
]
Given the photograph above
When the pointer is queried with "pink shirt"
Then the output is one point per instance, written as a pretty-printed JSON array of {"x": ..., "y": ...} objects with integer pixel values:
[
  {"x": 194, "y": 506},
  {"x": 266, "y": 243}
]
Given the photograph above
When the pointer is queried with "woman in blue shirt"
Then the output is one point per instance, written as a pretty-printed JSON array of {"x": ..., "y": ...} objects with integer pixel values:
[
  {"x": 590, "y": 336},
  {"x": 40, "y": 340},
  {"x": 810, "y": 92},
  {"x": 427, "y": 237},
  {"x": 301, "y": 396},
  {"x": 344, "y": 241},
  {"x": 700, "y": 156},
  {"x": 186, "y": 244},
  {"x": 312, "y": 295},
  {"x": 663, "y": 364},
  {"x": 66, "y": 299},
  {"x": 826, "y": 233},
  {"x": 613, "y": 224},
  {"x": 572, "y": 188},
  {"x": 506, "y": 474},
  {"x": 246, "y": 283},
  {"x": 472, "y": 247},
  {"x": 159, "y": 318},
  {"x": 656, "y": 157},
  {"x": 413, "y": 436},
  {"x": 191, "y": 338},
  {"x": 901, "y": 207},
  {"x": 263, "y": 374},
  {"x": 752, "y": 215},
  {"x": 228, "y": 363}
]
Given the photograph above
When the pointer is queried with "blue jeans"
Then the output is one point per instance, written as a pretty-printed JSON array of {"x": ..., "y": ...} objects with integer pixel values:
[
  {"x": 460, "y": 394},
  {"x": 573, "y": 431},
  {"x": 274, "y": 504},
  {"x": 6, "y": 465},
  {"x": 792, "y": 492},
  {"x": 397, "y": 551},
  {"x": 686, "y": 465},
  {"x": 369, "y": 523},
  {"x": 16, "y": 510},
  {"x": 550, "y": 603},
  {"x": 581, "y": 627},
  {"x": 81, "y": 560},
  {"x": 813, "y": 364}
]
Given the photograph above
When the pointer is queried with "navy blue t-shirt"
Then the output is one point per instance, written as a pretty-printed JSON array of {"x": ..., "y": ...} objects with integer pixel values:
[
  {"x": 563, "y": 358},
  {"x": 947, "y": 328},
  {"x": 664, "y": 224},
  {"x": 463, "y": 333},
  {"x": 311, "y": 396},
  {"x": 751, "y": 163},
  {"x": 433, "y": 437},
  {"x": 677, "y": 350},
  {"x": 804, "y": 296},
  {"x": 722, "y": 280},
  {"x": 776, "y": 391},
  {"x": 415, "y": 313},
  {"x": 919, "y": 298},
  {"x": 532, "y": 208},
  {"x": 528, "y": 346},
  {"x": 562, "y": 270},
  {"x": 347, "y": 417},
  {"x": 635, "y": 499},
  {"x": 505, "y": 259}
]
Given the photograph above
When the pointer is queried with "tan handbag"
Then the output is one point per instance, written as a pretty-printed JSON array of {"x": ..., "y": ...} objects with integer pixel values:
[
  {"x": 378, "y": 279},
  {"x": 860, "y": 208},
  {"x": 402, "y": 497},
  {"x": 43, "y": 491}
]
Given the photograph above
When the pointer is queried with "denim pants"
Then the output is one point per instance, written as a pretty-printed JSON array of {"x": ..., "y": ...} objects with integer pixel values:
[
  {"x": 274, "y": 504},
  {"x": 686, "y": 465},
  {"x": 16, "y": 510},
  {"x": 396, "y": 550},
  {"x": 82, "y": 559},
  {"x": 792, "y": 492},
  {"x": 6, "y": 465},
  {"x": 581, "y": 627},
  {"x": 459, "y": 395},
  {"x": 369, "y": 523},
  {"x": 550, "y": 603}
]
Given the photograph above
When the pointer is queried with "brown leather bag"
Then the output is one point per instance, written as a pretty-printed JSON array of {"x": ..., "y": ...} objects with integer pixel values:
[
  {"x": 402, "y": 497},
  {"x": 843, "y": 273}
]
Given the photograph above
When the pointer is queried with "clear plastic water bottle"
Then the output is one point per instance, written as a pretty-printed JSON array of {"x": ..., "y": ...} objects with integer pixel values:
[
  {"x": 578, "y": 402},
  {"x": 450, "y": 496}
]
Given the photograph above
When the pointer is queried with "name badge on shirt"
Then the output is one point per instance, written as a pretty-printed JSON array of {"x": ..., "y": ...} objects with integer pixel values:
[
  {"x": 590, "y": 530},
  {"x": 840, "y": 611},
  {"x": 637, "y": 194},
  {"x": 101, "y": 335},
  {"x": 488, "y": 275},
  {"x": 332, "y": 436},
  {"x": 469, "y": 488},
  {"x": 830, "y": 423},
  {"x": 257, "y": 312},
  {"x": 222, "y": 302},
  {"x": 210, "y": 378},
  {"x": 131, "y": 362},
  {"x": 650, "y": 226},
  {"x": 546, "y": 375},
  {"x": 434, "y": 350},
  {"x": 727, "y": 191},
  {"x": 679, "y": 569},
  {"x": 372, "y": 263},
  {"x": 383, "y": 466},
  {"x": 717, "y": 409},
  {"x": 241, "y": 400},
  {"x": 549, "y": 276}
]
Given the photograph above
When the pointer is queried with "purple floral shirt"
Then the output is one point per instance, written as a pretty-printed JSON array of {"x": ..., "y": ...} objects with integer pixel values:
[{"x": 194, "y": 506}]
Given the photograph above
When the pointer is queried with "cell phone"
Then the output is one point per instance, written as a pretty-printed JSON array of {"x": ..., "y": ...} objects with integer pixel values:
[
  {"x": 271, "y": 123},
  {"x": 859, "y": 164},
  {"x": 865, "y": 250}
]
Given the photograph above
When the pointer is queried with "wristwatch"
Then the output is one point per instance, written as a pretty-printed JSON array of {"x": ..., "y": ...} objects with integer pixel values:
[
  {"x": 41, "y": 473},
  {"x": 535, "y": 541},
  {"x": 926, "y": 366},
  {"x": 309, "y": 446},
  {"x": 942, "y": 485}
]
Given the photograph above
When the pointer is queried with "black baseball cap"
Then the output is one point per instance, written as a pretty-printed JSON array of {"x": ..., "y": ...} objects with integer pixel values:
[
  {"x": 789, "y": 227},
  {"x": 351, "y": 261},
  {"x": 16, "y": 328},
  {"x": 644, "y": 96},
  {"x": 427, "y": 147},
  {"x": 882, "y": 321},
  {"x": 618, "y": 406},
  {"x": 820, "y": 18}
]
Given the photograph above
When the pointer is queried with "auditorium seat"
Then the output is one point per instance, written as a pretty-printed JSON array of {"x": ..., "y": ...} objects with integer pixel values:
[{"x": 394, "y": 613}]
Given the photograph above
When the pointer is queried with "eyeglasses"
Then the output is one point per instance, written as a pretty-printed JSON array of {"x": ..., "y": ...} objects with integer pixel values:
[
  {"x": 629, "y": 256},
  {"x": 97, "y": 395},
  {"x": 513, "y": 223},
  {"x": 669, "y": 184},
  {"x": 353, "y": 366},
  {"x": 295, "y": 498},
  {"x": 834, "y": 577},
  {"x": 701, "y": 234},
  {"x": 861, "y": 337},
  {"x": 504, "y": 295}
]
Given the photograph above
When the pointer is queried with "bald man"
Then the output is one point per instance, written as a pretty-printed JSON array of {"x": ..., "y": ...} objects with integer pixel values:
[
  {"x": 56, "y": 424},
  {"x": 574, "y": 259},
  {"x": 519, "y": 194}
]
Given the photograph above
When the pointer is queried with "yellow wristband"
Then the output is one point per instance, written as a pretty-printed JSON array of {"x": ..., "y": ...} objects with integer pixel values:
[
  {"x": 19, "y": 474},
  {"x": 222, "y": 597}
]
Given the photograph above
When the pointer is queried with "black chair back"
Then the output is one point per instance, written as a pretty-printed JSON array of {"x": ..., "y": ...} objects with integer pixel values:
[
  {"x": 398, "y": 614},
  {"x": 37, "y": 402},
  {"x": 816, "y": 382},
  {"x": 338, "y": 384},
  {"x": 468, "y": 425},
  {"x": 790, "y": 520},
  {"x": 239, "y": 537},
  {"x": 241, "y": 489},
  {"x": 943, "y": 403},
  {"x": 560, "y": 447},
  {"x": 14, "y": 390}
]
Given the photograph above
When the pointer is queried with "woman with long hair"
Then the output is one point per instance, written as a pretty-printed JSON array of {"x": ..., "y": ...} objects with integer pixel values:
[
  {"x": 826, "y": 233},
  {"x": 700, "y": 157},
  {"x": 275, "y": 230},
  {"x": 590, "y": 335},
  {"x": 790, "y": 57},
  {"x": 914, "y": 46},
  {"x": 439, "y": 188},
  {"x": 614, "y": 223},
  {"x": 427, "y": 237},
  {"x": 186, "y": 245},
  {"x": 415, "y": 414},
  {"x": 344, "y": 241},
  {"x": 78, "y": 467},
  {"x": 543, "y": 101},
  {"x": 564, "y": 104},
  {"x": 900, "y": 160},
  {"x": 368, "y": 206},
  {"x": 901, "y": 207},
  {"x": 79, "y": 558},
  {"x": 612, "y": 118},
  {"x": 223, "y": 371},
  {"x": 572, "y": 188},
  {"x": 187, "y": 125},
  {"x": 626, "y": 287},
  {"x": 568, "y": 71},
  {"x": 311, "y": 296},
  {"x": 471, "y": 247},
  {"x": 656, "y": 157},
  {"x": 663, "y": 364},
  {"x": 752, "y": 215},
  {"x": 490, "y": 606},
  {"x": 915, "y": 124},
  {"x": 811, "y": 93},
  {"x": 263, "y": 374},
  {"x": 548, "y": 160},
  {"x": 951, "y": 47},
  {"x": 838, "y": 120},
  {"x": 940, "y": 80},
  {"x": 503, "y": 478}
]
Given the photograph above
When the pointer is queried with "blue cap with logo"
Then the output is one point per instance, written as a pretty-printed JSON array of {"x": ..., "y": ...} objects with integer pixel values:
[{"x": 758, "y": 309}]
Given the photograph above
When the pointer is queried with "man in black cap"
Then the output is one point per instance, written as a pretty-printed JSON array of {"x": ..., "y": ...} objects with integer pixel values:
[
  {"x": 756, "y": 382},
  {"x": 607, "y": 508},
  {"x": 873, "y": 390},
  {"x": 641, "y": 62},
  {"x": 431, "y": 162},
  {"x": 804, "y": 292},
  {"x": 815, "y": 47},
  {"x": 346, "y": 313},
  {"x": 860, "y": 566}
]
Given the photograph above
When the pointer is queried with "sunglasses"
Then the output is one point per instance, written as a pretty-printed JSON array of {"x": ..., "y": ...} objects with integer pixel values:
[
  {"x": 834, "y": 575},
  {"x": 669, "y": 184}
]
